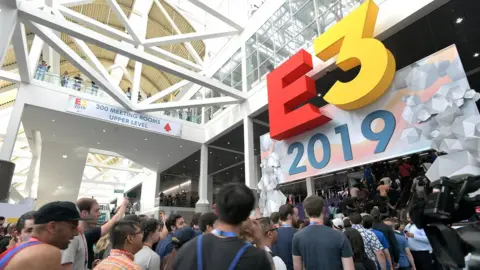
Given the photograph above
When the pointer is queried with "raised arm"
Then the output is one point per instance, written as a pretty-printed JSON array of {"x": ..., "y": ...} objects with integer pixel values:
[{"x": 121, "y": 211}]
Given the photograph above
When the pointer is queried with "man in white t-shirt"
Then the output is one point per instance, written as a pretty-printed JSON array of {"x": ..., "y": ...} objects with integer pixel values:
[
  {"x": 269, "y": 237},
  {"x": 147, "y": 258},
  {"x": 75, "y": 257}
]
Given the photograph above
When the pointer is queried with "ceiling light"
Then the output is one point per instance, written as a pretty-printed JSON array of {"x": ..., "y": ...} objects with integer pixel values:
[
  {"x": 104, "y": 130},
  {"x": 53, "y": 120},
  {"x": 146, "y": 139},
  {"x": 228, "y": 142},
  {"x": 64, "y": 156},
  {"x": 227, "y": 173},
  {"x": 53, "y": 135},
  {"x": 459, "y": 20},
  {"x": 136, "y": 149},
  {"x": 220, "y": 164},
  {"x": 210, "y": 152},
  {"x": 158, "y": 162},
  {"x": 181, "y": 146},
  {"x": 98, "y": 143},
  {"x": 196, "y": 160},
  {"x": 476, "y": 55},
  {"x": 168, "y": 155},
  {"x": 311, "y": 13},
  {"x": 59, "y": 187}
]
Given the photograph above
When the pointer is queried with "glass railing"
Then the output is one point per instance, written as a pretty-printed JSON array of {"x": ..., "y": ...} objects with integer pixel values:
[
  {"x": 86, "y": 86},
  {"x": 80, "y": 85}
]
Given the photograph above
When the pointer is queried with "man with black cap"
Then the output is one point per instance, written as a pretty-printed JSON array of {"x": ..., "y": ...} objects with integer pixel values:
[{"x": 55, "y": 225}]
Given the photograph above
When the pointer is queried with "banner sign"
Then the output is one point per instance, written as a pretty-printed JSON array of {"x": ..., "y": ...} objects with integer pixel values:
[
  {"x": 123, "y": 117},
  {"x": 423, "y": 98}
]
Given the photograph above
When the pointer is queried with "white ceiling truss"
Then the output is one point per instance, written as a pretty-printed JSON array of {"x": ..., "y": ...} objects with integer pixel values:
[{"x": 49, "y": 19}]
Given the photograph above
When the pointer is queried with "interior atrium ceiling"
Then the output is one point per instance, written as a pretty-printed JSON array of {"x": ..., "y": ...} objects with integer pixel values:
[
  {"x": 153, "y": 80},
  {"x": 164, "y": 20}
]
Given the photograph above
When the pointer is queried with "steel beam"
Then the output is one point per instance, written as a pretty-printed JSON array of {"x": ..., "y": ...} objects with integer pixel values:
[
  {"x": 75, "y": 30},
  {"x": 195, "y": 103}
]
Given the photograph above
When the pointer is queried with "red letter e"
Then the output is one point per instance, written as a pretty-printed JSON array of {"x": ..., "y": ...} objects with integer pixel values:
[{"x": 288, "y": 87}]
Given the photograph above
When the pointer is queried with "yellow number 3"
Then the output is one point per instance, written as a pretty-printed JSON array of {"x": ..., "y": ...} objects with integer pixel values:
[{"x": 352, "y": 39}]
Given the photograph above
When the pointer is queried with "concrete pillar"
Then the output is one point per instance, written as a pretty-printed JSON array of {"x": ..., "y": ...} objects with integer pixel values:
[
  {"x": 310, "y": 186},
  {"x": 250, "y": 172},
  {"x": 7, "y": 167},
  {"x": 210, "y": 189},
  {"x": 203, "y": 205},
  {"x": 13, "y": 124},
  {"x": 32, "y": 174},
  {"x": 149, "y": 187}
]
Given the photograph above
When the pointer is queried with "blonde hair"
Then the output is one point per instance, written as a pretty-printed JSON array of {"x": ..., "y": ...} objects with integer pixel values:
[
  {"x": 103, "y": 243},
  {"x": 246, "y": 231}
]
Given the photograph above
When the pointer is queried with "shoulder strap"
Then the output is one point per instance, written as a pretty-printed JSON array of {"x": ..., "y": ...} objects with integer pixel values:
[
  {"x": 199, "y": 253},
  {"x": 12, "y": 252},
  {"x": 237, "y": 257}
]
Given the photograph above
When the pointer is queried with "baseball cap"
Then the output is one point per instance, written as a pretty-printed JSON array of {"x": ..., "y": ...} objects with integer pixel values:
[
  {"x": 58, "y": 211},
  {"x": 182, "y": 236},
  {"x": 337, "y": 222}
]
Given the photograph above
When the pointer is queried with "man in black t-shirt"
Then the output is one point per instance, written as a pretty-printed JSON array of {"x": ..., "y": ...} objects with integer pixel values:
[
  {"x": 90, "y": 209},
  {"x": 320, "y": 247},
  {"x": 219, "y": 248},
  {"x": 289, "y": 221}
]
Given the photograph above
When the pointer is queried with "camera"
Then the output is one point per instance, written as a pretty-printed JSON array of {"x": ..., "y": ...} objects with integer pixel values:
[{"x": 450, "y": 202}]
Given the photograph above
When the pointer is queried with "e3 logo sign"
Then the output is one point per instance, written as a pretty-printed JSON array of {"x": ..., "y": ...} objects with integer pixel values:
[{"x": 352, "y": 40}]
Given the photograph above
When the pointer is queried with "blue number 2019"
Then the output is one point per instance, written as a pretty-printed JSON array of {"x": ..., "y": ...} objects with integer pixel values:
[{"x": 383, "y": 137}]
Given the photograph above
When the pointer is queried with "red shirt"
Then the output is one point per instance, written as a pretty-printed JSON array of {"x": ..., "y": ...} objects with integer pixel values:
[{"x": 405, "y": 169}]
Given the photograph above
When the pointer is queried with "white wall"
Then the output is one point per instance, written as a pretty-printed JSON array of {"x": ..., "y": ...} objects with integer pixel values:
[
  {"x": 149, "y": 187},
  {"x": 60, "y": 178}
]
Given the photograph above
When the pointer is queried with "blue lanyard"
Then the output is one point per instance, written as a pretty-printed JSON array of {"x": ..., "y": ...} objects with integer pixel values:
[{"x": 224, "y": 234}]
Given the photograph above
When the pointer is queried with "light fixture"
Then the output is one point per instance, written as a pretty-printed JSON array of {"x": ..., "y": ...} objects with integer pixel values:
[
  {"x": 227, "y": 173},
  {"x": 181, "y": 146},
  {"x": 196, "y": 160},
  {"x": 53, "y": 135},
  {"x": 158, "y": 162},
  {"x": 59, "y": 187},
  {"x": 64, "y": 156},
  {"x": 168, "y": 155},
  {"x": 53, "y": 120},
  {"x": 136, "y": 149},
  {"x": 210, "y": 152},
  {"x": 476, "y": 54},
  {"x": 228, "y": 142},
  {"x": 104, "y": 130},
  {"x": 459, "y": 20},
  {"x": 220, "y": 164},
  {"x": 236, "y": 157},
  {"x": 311, "y": 13},
  {"x": 146, "y": 139},
  {"x": 98, "y": 143}
]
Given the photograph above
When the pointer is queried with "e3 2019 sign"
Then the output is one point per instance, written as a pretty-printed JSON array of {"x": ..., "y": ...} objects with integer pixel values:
[{"x": 289, "y": 87}]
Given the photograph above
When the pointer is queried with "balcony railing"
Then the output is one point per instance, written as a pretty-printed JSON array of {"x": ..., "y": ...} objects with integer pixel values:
[{"x": 88, "y": 87}]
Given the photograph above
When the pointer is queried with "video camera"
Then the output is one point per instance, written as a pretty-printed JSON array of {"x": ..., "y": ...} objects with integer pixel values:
[{"x": 451, "y": 201}]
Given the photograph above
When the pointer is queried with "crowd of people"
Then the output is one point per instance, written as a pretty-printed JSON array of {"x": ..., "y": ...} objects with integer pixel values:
[{"x": 65, "y": 235}]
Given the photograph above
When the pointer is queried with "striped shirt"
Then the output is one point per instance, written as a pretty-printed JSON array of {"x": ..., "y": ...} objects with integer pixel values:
[{"x": 118, "y": 260}]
